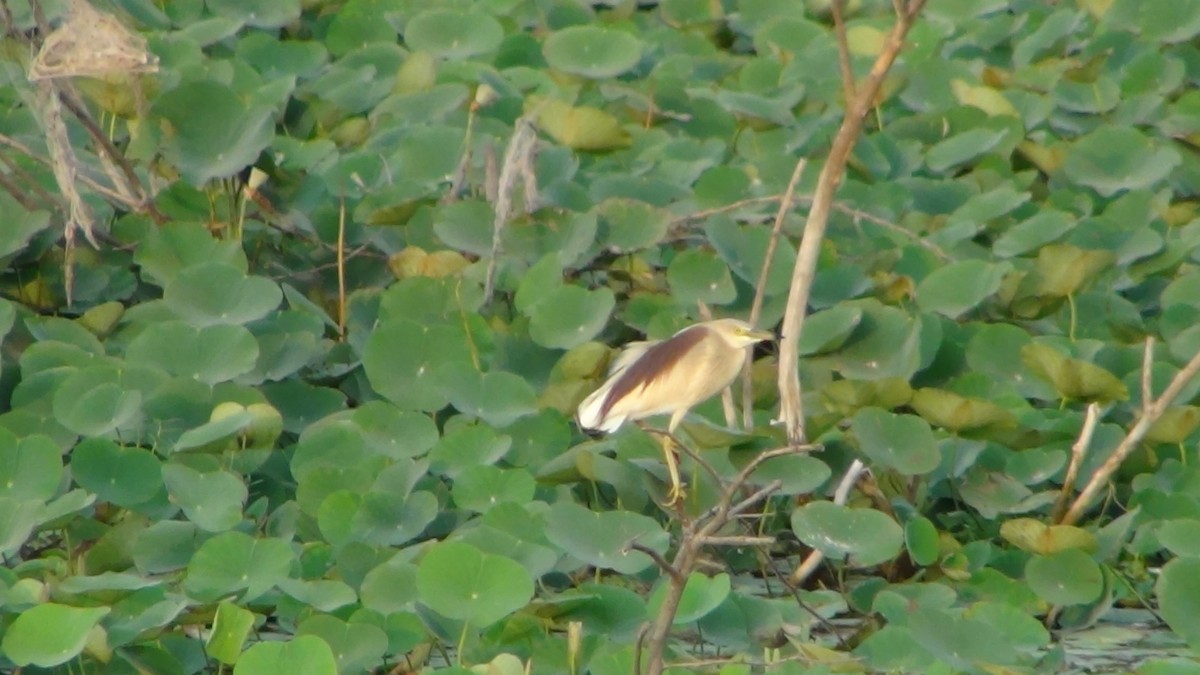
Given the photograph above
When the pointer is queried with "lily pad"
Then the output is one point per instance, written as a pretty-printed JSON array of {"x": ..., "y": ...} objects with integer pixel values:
[{"x": 592, "y": 51}]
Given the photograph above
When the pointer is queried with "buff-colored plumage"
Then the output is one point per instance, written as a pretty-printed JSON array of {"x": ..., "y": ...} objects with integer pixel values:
[{"x": 672, "y": 376}]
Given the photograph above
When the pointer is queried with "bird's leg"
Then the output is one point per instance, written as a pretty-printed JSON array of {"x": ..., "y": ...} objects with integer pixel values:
[{"x": 675, "y": 493}]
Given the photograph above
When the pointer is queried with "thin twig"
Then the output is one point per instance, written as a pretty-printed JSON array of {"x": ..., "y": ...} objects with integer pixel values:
[
  {"x": 805, "y": 569},
  {"x": 1149, "y": 416},
  {"x": 1147, "y": 372},
  {"x": 738, "y": 541},
  {"x": 791, "y": 407},
  {"x": 760, "y": 289},
  {"x": 1078, "y": 452},
  {"x": 843, "y": 44},
  {"x": 657, "y": 558},
  {"x": 341, "y": 267}
]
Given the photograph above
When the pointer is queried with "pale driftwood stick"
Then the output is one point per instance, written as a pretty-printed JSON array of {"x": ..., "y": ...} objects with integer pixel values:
[
  {"x": 791, "y": 408},
  {"x": 1149, "y": 416},
  {"x": 805, "y": 569},
  {"x": 839, "y": 25},
  {"x": 1078, "y": 452},
  {"x": 760, "y": 289}
]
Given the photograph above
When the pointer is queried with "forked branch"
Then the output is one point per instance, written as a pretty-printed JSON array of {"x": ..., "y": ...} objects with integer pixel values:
[{"x": 791, "y": 409}]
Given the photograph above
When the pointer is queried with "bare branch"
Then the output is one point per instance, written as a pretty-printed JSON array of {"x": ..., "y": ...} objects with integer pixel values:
[
  {"x": 658, "y": 560},
  {"x": 1078, "y": 452},
  {"x": 1147, "y": 373},
  {"x": 760, "y": 289},
  {"x": 738, "y": 541},
  {"x": 791, "y": 408},
  {"x": 1149, "y": 416},
  {"x": 839, "y": 27}
]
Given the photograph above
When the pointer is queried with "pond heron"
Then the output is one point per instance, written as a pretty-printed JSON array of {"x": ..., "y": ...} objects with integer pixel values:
[{"x": 671, "y": 376}]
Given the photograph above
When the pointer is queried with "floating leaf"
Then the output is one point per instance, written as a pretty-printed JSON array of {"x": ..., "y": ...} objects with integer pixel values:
[
  {"x": 701, "y": 595},
  {"x": 498, "y": 398},
  {"x": 302, "y": 655},
  {"x": 603, "y": 539},
  {"x": 116, "y": 474},
  {"x": 957, "y": 413},
  {"x": 460, "y": 582},
  {"x": 696, "y": 275},
  {"x": 357, "y": 646},
  {"x": 829, "y": 329},
  {"x": 957, "y": 288},
  {"x": 208, "y": 132},
  {"x": 453, "y": 35},
  {"x": 1068, "y": 577},
  {"x": 231, "y": 626},
  {"x": 218, "y": 293},
  {"x": 211, "y": 500},
  {"x": 49, "y": 634},
  {"x": 30, "y": 469},
  {"x": 210, "y": 354},
  {"x": 233, "y": 562},
  {"x": 1072, "y": 378},
  {"x": 902, "y": 442},
  {"x": 570, "y": 315},
  {"x": 581, "y": 128},
  {"x": 864, "y": 536},
  {"x": 1111, "y": 159},
  {"x": 1063, "y": 269},
  {"x": 1035, "y": 536},
  {"x": 592, "y": 51}
]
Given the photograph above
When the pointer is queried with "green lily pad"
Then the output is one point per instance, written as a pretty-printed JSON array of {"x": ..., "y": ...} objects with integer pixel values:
[
  {"x": 1113, "y": 159},
  {"x": 231, "y": 626},
  {"x": 592, "y": 51},
  {"x": 234, "y": 562},
  {"x": 957, "y": 413},
  {"x": 92, "y": 402},
  {"x": 401, "y": 358},
  {"x": 258, "y": 13},
  {"x": 479, "y": 488},
  {"x": 115, "y": 474},
  {"x": 302, "y": 655},
  {"x": 864, "y": 536},
  {"x": 921, "y": 540},
  {"x": 959, "y": 287},
  {"x": 30, "y": 468},
  {"x": 603, "y": 539},
  {"x": 828, "y": 330},
  {"x": 357, "y": 646},
  {"x": 211, "y": 354},
  {"x": 1068, "y": 577},
  {"x": 208, "y": 132},
  {"x": 701, "y": 595},
  {"x": 1029, "y": 534},
  {"x": 218, "y": 293},
  {"x": 696, "y": 275},
  {"x": 1072, "y": 378},
  {"x": 631, "y": 225},
  {"x": 581, "y": 128},
  {"x": 211, "y": 500},
  {"x": 460, "y": 582},
  {"x": 570, "y": 316},
  {"x": 498, "y": 398},
  {"x": 453, "y": 35},
  {"x": 50, "y": 634},
  {"x": 901, "y": 442}
]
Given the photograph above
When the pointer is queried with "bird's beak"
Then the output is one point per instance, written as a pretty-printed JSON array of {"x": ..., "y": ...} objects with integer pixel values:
[{"x": 761, "y": 335}]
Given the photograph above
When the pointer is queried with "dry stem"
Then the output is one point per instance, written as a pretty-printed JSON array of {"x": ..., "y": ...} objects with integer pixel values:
[
  {"x": 1151, "y": 411},
  {"x": 791, "y": 408},
  {"x": 1078, "y": 452}
]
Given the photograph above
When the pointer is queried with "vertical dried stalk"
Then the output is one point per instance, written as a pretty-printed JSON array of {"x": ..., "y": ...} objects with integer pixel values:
[
  {"x": 1078, "y": 452},
  {"x": 518, "y": 160},
  {"x": 760, "y": 289},
  {"x": 1150, "y": 414},
  {"x": 791, "y": 408},
  {"x": 341, "y": 267}
]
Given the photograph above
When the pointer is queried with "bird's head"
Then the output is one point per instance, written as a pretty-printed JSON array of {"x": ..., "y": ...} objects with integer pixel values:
[{"x": 739, "y": 333}]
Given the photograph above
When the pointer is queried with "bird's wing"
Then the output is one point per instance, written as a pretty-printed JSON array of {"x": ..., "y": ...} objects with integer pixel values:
[
  {"x": 632, "y": 352},
  {"x": 649, "y": 364}
]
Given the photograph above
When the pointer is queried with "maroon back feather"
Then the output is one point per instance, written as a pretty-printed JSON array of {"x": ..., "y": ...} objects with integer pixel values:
[{"x": 651, "y": 365}]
